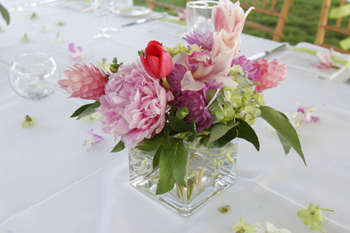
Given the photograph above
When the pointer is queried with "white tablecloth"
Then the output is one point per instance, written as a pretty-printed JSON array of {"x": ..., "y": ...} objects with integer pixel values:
[{"x": 50, "y": 182}]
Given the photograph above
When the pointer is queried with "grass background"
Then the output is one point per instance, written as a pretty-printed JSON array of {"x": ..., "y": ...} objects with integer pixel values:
[{"x": 301, "y": 23}]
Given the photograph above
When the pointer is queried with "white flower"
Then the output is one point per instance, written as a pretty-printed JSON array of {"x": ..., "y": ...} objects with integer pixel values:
[{"x": 268, "y": 227}]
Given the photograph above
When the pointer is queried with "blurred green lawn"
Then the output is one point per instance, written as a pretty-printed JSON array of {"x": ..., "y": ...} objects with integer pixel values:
[{"x": 301, "y": 24}]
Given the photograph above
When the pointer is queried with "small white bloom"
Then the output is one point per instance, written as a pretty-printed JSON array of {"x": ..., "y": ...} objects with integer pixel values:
[{"x": 268, "y": 227}]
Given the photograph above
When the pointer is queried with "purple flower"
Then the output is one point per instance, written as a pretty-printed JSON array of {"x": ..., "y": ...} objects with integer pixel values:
[
  {"x": 247, "y": 66},
  {"x": 196, "y": 102},
  {"x": 175, "y": 77},
  {"x": 203, "y": 39}
]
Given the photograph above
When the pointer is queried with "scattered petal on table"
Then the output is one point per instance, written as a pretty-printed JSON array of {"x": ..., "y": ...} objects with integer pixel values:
[
  {"x": 313, "y": 216},
  {"x": 93, "y": 139},
  {"x": 33, "y": 16},
  {"x": 28, "y": 122},
  {"x": 76, "y": 51},
  {"x": 25, "y": 38},
  {"x": 267, "y": 227}
]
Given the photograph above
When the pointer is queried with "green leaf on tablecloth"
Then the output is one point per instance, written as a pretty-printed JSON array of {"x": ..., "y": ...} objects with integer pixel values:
[
  {"x": 180, "y": 153},
  {"x": 149, "y": 145},
  {"x": 220, "y": 130},
  {"x": 119, "y": 147},
  {"x": 246, "y": 132},
  {"x": 86, "y": 110},
  {"x": 178, "y": 125},
  {"x": 5, "y": 14},
  {"x": 282, "y": 125}
]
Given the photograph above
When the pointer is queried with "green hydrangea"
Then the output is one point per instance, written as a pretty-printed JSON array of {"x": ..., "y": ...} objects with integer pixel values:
[
  {"x": 241, "y": 102},
  {"x": 179, "y": 48}
]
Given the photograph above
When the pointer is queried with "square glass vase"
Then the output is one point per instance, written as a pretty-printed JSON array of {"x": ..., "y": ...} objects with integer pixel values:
[{"x": 209, "y": 171}]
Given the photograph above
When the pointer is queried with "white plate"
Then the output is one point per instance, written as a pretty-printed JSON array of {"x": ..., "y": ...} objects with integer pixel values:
[
  {"x": 133, "y": 11},
  {"x": 304, "y": 61}
]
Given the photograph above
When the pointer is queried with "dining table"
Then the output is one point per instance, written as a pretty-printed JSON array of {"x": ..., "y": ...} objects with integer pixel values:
[{"x": 51, "y": 183}]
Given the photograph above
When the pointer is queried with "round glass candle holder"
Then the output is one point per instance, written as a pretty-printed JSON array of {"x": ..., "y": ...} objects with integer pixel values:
[{"x": 34, "y": 75}]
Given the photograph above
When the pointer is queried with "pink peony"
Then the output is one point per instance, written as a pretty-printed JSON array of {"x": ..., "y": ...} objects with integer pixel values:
[
  {"x": 85, "y": 82},
  {"x": 135, "y": 104},
  {"x": 271, "y": 74}
]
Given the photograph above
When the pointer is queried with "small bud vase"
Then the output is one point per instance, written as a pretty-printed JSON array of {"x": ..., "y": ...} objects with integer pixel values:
[{"x": 209, "y": 171}]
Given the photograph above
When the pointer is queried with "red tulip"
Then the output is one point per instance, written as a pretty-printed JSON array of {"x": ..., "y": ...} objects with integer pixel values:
[{"x": 157, "y": 62}]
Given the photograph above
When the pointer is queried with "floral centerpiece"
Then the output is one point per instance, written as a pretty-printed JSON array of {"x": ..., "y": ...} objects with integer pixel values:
[{"x": 180, "y": 109}]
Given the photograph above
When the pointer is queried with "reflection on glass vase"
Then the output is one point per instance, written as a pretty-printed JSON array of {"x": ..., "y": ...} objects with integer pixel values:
[{"x": 209, "y": 171}]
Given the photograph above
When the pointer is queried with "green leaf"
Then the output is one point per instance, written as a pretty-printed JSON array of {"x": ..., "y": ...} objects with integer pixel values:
[
  {"x": 180, "y": 163},
  {"x": 164, "y": 139},
  {"x": 86, "y": 110},
  {"x": 339, "y": 12},
  {"x": 5, "y": 14},
  {"x": 194, "y": 131},
  {"x": 155, "y": 162},
  {"x": 229, "y": 136},
  {"x": 178, "y": 125},
  {"x": 286, "y": 145},
  {"x": 345, "y": 44},
  {"x": 119, "y": 147},
  {"x": 149, "y": 145},
  {"x": 220, "y": 130},
  {"x": 282, "y": 125},
  {"x": 246, "y": 132},
  {"x": 166, "y": 180}
]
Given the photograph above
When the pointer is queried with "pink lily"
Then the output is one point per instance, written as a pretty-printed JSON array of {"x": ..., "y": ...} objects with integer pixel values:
[{"x": 229, "y": 17}]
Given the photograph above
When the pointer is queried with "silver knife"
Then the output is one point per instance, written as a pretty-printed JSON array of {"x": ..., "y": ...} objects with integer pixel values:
[
  {"x": 145, "y": 20},
  {"x": 267, "y": 52}
]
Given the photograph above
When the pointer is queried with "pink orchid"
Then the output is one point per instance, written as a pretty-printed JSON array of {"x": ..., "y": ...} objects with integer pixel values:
[
  {"x": 229, "y": 17},
  {"x": 93, "y": 139},
  {"x": 325, "y": 60},
  {"x": 202, "y": 67},
  {"x": 77, "y": 51},
  {"x": 306, "y": 114}
]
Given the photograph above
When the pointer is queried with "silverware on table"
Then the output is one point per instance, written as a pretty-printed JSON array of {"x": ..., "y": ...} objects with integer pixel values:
[
  {"x": 145, "y": 20},
  {"x": 267, "y": 52}
]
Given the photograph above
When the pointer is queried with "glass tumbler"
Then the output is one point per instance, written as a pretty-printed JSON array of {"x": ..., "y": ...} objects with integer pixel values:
[
  {"x": 34, "y": 75},
  {"x": 198, "y": 16}
]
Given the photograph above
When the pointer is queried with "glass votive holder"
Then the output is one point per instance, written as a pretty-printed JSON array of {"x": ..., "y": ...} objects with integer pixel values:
[
  {"x": 198, "y": 16},
  {"x": 34, "y": 75}
]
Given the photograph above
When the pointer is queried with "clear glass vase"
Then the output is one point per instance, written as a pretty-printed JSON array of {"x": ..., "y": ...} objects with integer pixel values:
[{"x": 209, "y": 171}]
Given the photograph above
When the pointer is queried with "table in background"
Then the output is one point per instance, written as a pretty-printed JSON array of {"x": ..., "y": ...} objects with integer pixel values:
[{"x": 51, "y": 183}]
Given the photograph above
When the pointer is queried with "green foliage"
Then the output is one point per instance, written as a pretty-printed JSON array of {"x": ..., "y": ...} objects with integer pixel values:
[
  {"x": 115, "y": 66},
  {"x": 172, "y": 166},
  {"x": 86, "y": 110},
  {"x": 313, "y": 216},
  {"x": 283, "y": 127},
  {"x": 119, "y": 147},
  {"x": 5, "y": 14},
  {"x": 219, "y": 130},
  {"x": 247, "y": 133}
]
